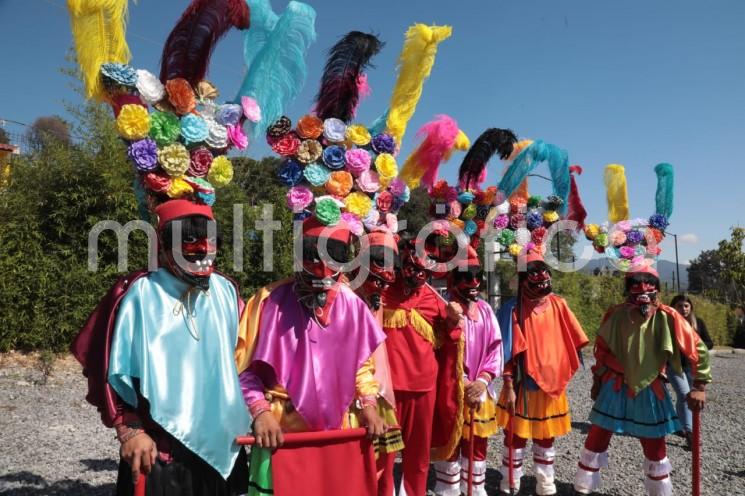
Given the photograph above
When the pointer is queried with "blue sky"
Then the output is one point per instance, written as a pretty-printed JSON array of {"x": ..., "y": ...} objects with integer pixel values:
[{"x": 636, "y": 82}]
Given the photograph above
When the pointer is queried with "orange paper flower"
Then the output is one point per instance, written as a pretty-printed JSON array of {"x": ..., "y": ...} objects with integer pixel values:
[
  {"x": 181, "y": 95},
  {"x": 339, "y": 183},
  {"x": 309, "y": 127}
]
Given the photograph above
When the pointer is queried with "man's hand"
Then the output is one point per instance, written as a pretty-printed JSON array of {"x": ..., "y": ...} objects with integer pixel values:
[
  {"x": 375, "y": 424},
  {"x": 454, "y": 312},
  {"x": 511, "y": 397},
  {"x": 696, "y": 399},
  {"x": 267, "y": 432},
  {"x": 473, "y": 391},
  {"x": 140, "y": 452}
]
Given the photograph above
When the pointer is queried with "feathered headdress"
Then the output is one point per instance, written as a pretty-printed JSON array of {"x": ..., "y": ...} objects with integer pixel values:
[
  {"x": 98, "y": 29},
  {"x": 178, "y": 148},
  {"x": 275, "y": 57},
  {"x": 187, "y": 51},
  {"x": 440, "y": 137},
  {"x": 490, "y": 142},
  {"x": 340, "y": 90},
  {"x": 632, "y": 244}
]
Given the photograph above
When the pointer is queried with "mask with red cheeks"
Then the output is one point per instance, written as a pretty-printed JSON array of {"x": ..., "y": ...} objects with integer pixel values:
[
  {"x": 465, "y": 284},
  {"x": 641, "y": 291},
  {"x": 536, "y": 282},
  {"x": 193, "y": 261}
]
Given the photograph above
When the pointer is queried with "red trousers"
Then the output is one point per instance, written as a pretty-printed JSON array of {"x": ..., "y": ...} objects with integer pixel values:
[
  {"x": 415, "y": 411},
  {"x": 479, "y": 449},
  {"x": 598, "y": 440},
  {"x": 519, "y": 442}
]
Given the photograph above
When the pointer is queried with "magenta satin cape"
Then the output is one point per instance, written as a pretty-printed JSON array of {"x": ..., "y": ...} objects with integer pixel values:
[{"x": 317, "y": 365}]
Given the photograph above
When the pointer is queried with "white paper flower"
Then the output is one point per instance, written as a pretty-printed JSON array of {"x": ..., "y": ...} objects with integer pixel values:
[
  {"x": 151, "y": 89},
  {"x": 218, "y": 135}
]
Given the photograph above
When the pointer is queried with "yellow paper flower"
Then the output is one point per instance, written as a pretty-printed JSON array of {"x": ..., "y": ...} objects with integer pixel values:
[
  {"x": 592, "y": 231},
  {"x": 458, "y": 223},
  {"x": 386, "y": 165},
  {"x": 179, "y": 188},
  {"x": 133, "y": 122},
  {"x": 358, "y": 135},
  {"x": 550, "y": 216},
  {"x": 515, "y": 249},
  {"x": 174, "y": 159},
  {"x": 358, "y": 204},
  {"x": 221, "y": 171}
]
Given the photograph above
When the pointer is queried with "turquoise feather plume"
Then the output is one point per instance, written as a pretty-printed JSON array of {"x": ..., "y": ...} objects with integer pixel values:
[
  {"x": 528, "y": 160},
  {"x": 664, "y": 196},
  {"x": 263, "y": 22},
  {"x": 378, "y": 126},
  {"x": 277, "y": 71}
]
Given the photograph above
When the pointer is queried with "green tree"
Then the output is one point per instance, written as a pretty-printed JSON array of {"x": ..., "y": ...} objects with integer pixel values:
[
  {"x": 720, "y": 273},
  {"x": 416, "y": 211}
]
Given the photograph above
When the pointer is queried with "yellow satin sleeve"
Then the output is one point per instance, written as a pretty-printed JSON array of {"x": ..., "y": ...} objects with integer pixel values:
[{"x": 365, "y": 383}]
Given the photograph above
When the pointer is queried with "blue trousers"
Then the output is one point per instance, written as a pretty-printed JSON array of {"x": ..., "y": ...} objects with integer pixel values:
[{"x": 681, "y": 384}]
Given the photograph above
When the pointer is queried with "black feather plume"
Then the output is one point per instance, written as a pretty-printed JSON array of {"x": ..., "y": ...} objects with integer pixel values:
[
  {"x": 490, "y": 142},
  {"x": 339, "y": 93}
]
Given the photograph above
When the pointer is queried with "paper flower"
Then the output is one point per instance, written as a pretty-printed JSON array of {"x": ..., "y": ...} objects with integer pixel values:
[
  {"x": 333, "y": 157},
  {"x": 174, "y": 159},
  {"x": 328, "y": 212},
  {"x": 489, "y": 195},
  {"x": 217, "y": 137},
  {"x": 229, "y": 114},
  {"x": 206, "y": 197},
  {"x": 601, "y": 240},
  {"x": 522, "y": 236},
  {"x": 280, "y": 127},
  {"x": 179, "y": 188},
  {"x": 537, "y": 235},
  {"x": 237, "y": 137},
  {"x": 370, "y": 221},
  {"x": 550, "y": 216},
  {"x": 309, "y": 151},
  {"x": 466, "y": 197},
  {"x": 552, "y": 202},
  {"x": 501, "y": 221},
  {"x": 617, "y": 238},
  {"x": 397, "y": 187},
  {"x": 180, "y": 95},
  {"x": 122, "y": 74},
  {"x": 405, "y": 194},
  {"x": 354, "y": 223},
  {"x": 357, "y": 160},
  {"x": 287, "y": 145},
  {"x": 157, "y": 183},
  {"x": 221, "y": 172},
  {"x": 515, "y": 249},
  {"x": 658, "y": 221},
  {"x": 358, "y": 135},
  {"x": 290, "y": 173},
  {"x": 591, "y": 231},
  {"x": 469, "y": 212},
  {"x": 165, "y": 127},
  {"x": 144, "y": 154},
  {"x": 383, "y": 143},
  {"x": 358, "y": 203},
  {"x": 368, "y": 181},
  {"x": 201, "y": 160},
  {"x": 634, "y": 237},
  {"x": 206, "y": 91},
  {"x": 339, "y": 183},
  {"x": 534, "y": 201},
  {"x": 506, "y": 237},
  {"x": 309, "y": 127},
  {"x": 334, "y": 130},
  {"x": 454, "y": 209},
  {"x": 386, "y": 165},
  {"x": 439, "y": 190},
  {"x": 316, "y": 174},
  {"x": 534, "y": 219},
  {"x": 194, "y": 129},
  {"x": 503, "y": 208},
  {"x": 384, "y": 201},
  {"x": 627, "y": 252},
  {"x": 150, "y": 88},
  {"x": 133, "y": 122},
  {"x": 655, "y": 234},
  {"x": 298, "y": 198},
  {"x": 517, "y": 220},
  {"x": 458, "y": 223},
  {"x": 482, "y": 211},
  {"x": 251, "y": 109},
  {"x": 470, "y": 228},
  {"x": 624, "y": 225}
]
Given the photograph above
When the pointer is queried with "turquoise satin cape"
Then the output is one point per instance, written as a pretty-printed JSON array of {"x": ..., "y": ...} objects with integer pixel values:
[{"x": 191, "y": 385}]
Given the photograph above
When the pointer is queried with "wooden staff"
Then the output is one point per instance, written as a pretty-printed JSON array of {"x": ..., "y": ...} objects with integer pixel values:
[{"x": 696, "y": 452}]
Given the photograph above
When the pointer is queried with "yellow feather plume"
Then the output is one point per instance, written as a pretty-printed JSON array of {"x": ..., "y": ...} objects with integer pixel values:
[
  {"x": 522, "y": 191},
  {"x": 98, "y": 29},
  {"x": 462, "y": 144},
  {"x": 414, "y": 66},
  {"x": 615, "y": 189}
]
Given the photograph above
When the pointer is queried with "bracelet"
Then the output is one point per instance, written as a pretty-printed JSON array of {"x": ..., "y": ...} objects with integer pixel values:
[
  {"x": 366, "y": 401},
  {"x": 124, "y": 435},
  {"x": 258, "y": 407},
  {"x": 483, "y": 381}
]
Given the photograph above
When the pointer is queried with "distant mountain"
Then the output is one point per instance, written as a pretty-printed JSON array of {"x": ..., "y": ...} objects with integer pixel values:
[{"x": 666, "y": 269}]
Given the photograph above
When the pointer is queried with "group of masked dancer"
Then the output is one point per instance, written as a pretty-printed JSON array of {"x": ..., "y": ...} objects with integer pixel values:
[{"x": 180, "y": 365}]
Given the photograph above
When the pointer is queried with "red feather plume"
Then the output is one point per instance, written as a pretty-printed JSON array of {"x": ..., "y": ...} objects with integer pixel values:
[
  {"x": 187, "y": 50},
  {"x": 576, "y": 210}
]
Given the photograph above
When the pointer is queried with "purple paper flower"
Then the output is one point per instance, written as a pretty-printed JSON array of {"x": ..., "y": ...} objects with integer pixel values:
[
  {"x": 634, "y": 237},
  {"x": 397, "y": 187},
  {"x": 229, "y": 114},
  {"x": 290, "y": 173},
  {"x": 501, "y": 221},
  {"x": 627, "y": 252},
  {"x": 144, "y": 154},
  {"x": 534, "y": 219},
  {"x": 333, "y": 157},
  {"x": 383, "y": 143}
]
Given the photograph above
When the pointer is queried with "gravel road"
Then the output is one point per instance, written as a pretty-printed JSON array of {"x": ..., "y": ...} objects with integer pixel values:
[{"x": 52, "y": 442}]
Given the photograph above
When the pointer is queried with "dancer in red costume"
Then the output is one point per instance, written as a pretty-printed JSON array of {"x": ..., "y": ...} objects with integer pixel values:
[{"x": 425, "y": 351}]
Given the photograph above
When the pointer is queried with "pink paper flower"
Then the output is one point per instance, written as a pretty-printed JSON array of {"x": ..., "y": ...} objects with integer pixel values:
[
  {"x": 298, "y": 198},
  {"x": 251, "y": 109},
  {"x": 237, "y": 137}
]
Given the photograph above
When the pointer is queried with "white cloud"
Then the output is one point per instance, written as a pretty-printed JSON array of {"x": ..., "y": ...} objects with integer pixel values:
[{"x": 688, "y": 238}]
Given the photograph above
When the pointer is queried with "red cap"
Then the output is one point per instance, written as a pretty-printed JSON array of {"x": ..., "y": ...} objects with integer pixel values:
[
  {"x": 643, "y": 269},
  {"x": 313, "y": 227},
  {"x": 382, "y": 238},
  {"x": 176, "y": 209},
  {"x": 471, "y": 260},
  {"x": 533, "y": 255}
]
